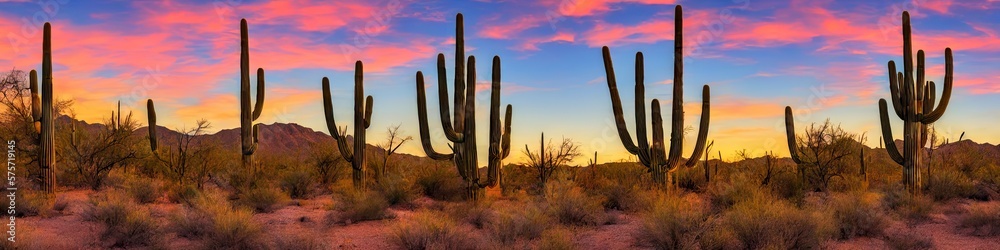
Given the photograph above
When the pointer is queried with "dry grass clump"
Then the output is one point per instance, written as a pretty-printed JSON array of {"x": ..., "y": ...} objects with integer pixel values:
[
  {"x": 569, "y": 205},
  {"x": 556, "y": 238},
  {"x": 858, "y": 214},
  {"x": 766, "y": 224},
  {"x": 908, "y": 240},
  {"x": 508, "y": 224},
  {"x": 125, "y": 223},
  {"x": 983, "y": 219},
  {"x": 359, "y": 206},
  {"x": 432, "y": 230},
  {"x": 33, "y": 203},
  {"x": 672, "y": 223},
  {"x": 262, "y": 199},
  {"x": 218, "y": 223}
]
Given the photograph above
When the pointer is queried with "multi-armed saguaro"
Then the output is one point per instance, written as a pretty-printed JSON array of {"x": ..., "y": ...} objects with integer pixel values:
[
  {"x": 913, "y": 102},
  {"x": 656, "y": 160},
  {"x": 361, "y": 123},
  {"x": 248, "y": 113},
  {"x": 41, "y": 114},
  {"x": 463, "y": 133}
]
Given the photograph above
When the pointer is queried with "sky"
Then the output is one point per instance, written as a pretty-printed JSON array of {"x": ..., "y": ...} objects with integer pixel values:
[{"x": 826, "y": 59}]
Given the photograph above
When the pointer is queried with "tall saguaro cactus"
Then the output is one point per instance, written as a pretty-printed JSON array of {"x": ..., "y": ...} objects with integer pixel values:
[
  {"x": 41, "y": 114},
  {"x": 151, "y": 114},
  {"x": 248, "y": 113},
  {"x": 362, "y": 120},
  {"x": 913, "y": 102},
  {"x": 656, "y": 160},
  {"x": 462, "y": 133}
]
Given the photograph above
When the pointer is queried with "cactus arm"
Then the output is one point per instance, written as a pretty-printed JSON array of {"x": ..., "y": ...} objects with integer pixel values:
[
  {"x": 495, "y": 147},
  {"x": 331, "y": 123},
  {"x": 929, "y": 97},
  {"x": 793, "y": 147},
  {"x": 470, "y": 156},
  {"x": 151, "y": 113},
  {"x": 890, "y": 143},
  {"x": 699, "y": 145},
  {"x": 505, "y": 142},
  {"x": 656, "y": 151},
  {"x": 640, "y": 110},
  {"x": 36, "y": 100},
  {"x": 425, "y": 137},
  {"x": 677, "y": 114},
  {"x": 446, "y": 123},
  {"x": 253, "y": 145},
  {"x": 919, "y": 84},
  {"x": 616, "y": 104},
  {"x": 894, "y": 82},
  {"x": 945, "y": 92},
  {"x": 369, "y": 102},
  {"x": 259, "y": 104}
]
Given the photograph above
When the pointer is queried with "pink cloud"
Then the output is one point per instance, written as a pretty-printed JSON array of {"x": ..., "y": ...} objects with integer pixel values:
[{"x": 580, "y": 8}]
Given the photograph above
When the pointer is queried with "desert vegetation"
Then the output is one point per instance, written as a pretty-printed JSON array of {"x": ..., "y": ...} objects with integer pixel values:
[{"x": 189, "y": 189}]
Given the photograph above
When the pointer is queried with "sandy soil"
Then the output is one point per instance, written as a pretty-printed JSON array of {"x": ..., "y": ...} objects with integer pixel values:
[{"x": 67, "y": 230}]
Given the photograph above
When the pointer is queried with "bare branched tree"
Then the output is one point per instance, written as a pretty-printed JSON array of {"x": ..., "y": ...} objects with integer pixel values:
[
  {"x": 394, "y": 139},
  {"x": 16, "y": 123},
  {"x": 95, "y": 152},
  {"x": 547, "y": 161},
  {"x": 823, "y": 150},
  {"x": 186, "y": 157}
]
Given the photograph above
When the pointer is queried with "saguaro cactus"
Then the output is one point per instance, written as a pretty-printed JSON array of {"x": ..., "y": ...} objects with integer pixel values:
[
  {"x": 463, "y": 133},
  {"x": 41, "y": 114},
  {"x": 361, "y": 122},
  {"x": 151, "y": 113},
  {"x": 793, "y": 146},
  {"x": 248, "y": 113},
  {"x": 913, "y": 102},
  {"x": 656, "y": 160}
]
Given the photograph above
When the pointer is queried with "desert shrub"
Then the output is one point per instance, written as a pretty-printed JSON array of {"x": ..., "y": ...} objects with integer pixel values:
[
  {"x": 234, "y": 229},
  {"x": 741, "y": 188},
  {"x": 440, "y": 182},
  {"x": 671, "y": 224},
  {"x": 431, "y": 230},
  {"x": 556, "y": 239},
  {"x": 125, "y": 223},
  {"x": 300, "y": 242},
  {"x": 262, "y": 199},
  {"x": 182, "y": 193},
  {"x": 908, "y": 240},
  {"x": 858, "y": 214},
  {"x": 571, "y": 206},
  {"x": 33, "y": 203},
  {"x": 519, "y": 222},
  {"x": 717, "y": 235},
  {"x": 359, "y": 206},
  {"x": 769, "y": 224},
  {"x": 789, "y": 185},
  {"x": 60, "y": 204},
  {"x": 691, "y": 178},
  {"x": 983, "y": 219},
  {"x": 911, "y": 207},
  {"x": 396, "y": 190},
  {"x": 477, "y": 214},
  {"x": 297, "y": 183},
  {"x": 190, "y": 223},
  {"x": 622, "y": 196},
  {"x": 143, "y": 190},
  {"x": 946, "y": 185}
]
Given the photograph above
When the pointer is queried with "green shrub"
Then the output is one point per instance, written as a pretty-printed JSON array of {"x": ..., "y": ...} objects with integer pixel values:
[
  {"x": 262, "y": 199},
  {"x": 858, "y": 214},
  {"x": 440, "y": 182},
  {"x": 946, "y": 185},
  {"x": 359, "y": 206},
  {"x": 671, "y": 223},
  {"x": 767, "y": 224},
  {"x": 520, "y": 222},
  {"x": 983, "y": 219},
  {"x": 143, "y": 190},
  {"x": 297, "y": 183},
  {"x": 571, "y": 206},
  {"x": 431, "y": 230}
]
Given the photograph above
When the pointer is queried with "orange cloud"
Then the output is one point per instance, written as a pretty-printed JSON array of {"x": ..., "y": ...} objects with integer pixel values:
[{"x": 580, "y": 8}]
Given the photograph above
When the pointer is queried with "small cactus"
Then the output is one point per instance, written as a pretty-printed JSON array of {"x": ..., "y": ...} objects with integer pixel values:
[
  {"x": 362, "y": 120},
  {"x": 657, "y": 161},
  {"x": 248, "y": 113},
  {"x": 463, "y": 133}
]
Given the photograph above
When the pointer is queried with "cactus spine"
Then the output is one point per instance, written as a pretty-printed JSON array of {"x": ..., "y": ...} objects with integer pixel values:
[
  {"x": 463, "y": 132},
  {"x": 362, "y": 120},
  {"x": 913, "y": 102},
  {"x": 248, "y": 113},
  {"x": 41, "y": 114},
  {"x": 660, "y": 163}
]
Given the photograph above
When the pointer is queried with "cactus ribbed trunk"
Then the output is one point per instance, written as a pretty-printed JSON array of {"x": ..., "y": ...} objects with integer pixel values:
[
  {"x": 913, "y": 101},
  {"x": 354, "y": 154},
  {"x": 654, "y": 157},
  {"x": 249, "y": 112},
  {"x": 48, "y": 151},
  {"x": 462, "y": 131}
]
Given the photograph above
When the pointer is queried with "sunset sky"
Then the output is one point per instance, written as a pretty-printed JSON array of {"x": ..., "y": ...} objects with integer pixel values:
[{"x": 826, "y": 59}]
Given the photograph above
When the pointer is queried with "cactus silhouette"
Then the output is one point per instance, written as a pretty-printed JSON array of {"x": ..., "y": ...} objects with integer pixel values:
[
  {"x": 361, "y": 122},
  {"x": 41, "y": 114},
  {"x": 151, "y": 114},
  {"x": 248, "y": 113},
  {"x": 657, "y": 161},
  {"x": 463, "y": 133},
  {"x": 793, "y": 146},
  {"x": 913, "y": 102}
]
